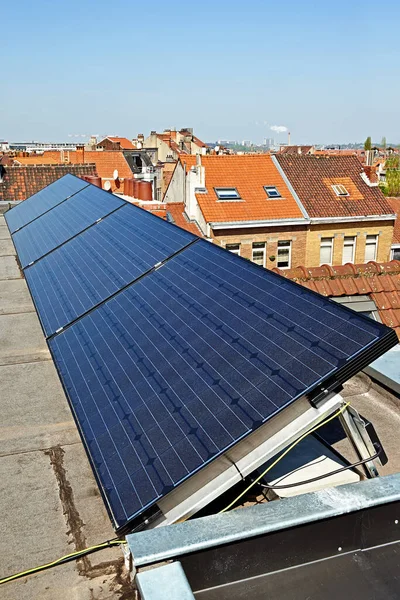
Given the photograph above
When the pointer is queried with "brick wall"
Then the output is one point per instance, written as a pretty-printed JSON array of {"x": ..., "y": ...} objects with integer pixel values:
[
  {"x": 271, "y": 235},
  {"x": 384, "y": 230}
]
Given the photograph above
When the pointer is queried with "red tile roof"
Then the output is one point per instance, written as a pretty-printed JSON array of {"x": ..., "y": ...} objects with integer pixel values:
[
  {"x": 124, "y": 143},
  {"x": 106, "y": 161},
  {"x": 312, "y": 178},
  {"x": 176, "y": 210},
  {"x": 395, "y": 204},
  {"x": 248, "y": 173},
  {"x": 380, "y": 281},
  {"x": 21, "y": 182}
]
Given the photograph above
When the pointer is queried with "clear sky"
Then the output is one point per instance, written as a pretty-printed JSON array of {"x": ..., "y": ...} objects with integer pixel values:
[{"x": 327, "y": 70}]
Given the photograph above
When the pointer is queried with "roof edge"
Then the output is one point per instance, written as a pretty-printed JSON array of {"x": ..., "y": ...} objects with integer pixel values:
[{"x": 290, "y": 187}]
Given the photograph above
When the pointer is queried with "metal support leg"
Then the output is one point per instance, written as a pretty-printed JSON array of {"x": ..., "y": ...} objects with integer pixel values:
[{"x": 359, "y": 438}]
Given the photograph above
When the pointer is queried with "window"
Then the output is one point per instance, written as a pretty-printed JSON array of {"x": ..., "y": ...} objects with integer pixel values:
[
  {"x": 395, "y": 253},
  {"x": 371, "y": 247},
  {"x": 340, "y": 190},
  {"x": 349, "y": 249},
  {"x": 284, "y": 255},
  {"x": 271, "y": 191},
  {"x": 234, "y": 248},
  {"x": 259, "y": 253},
  {"x": 227, "y": 194},
  {"x": 326, "y": 251}
]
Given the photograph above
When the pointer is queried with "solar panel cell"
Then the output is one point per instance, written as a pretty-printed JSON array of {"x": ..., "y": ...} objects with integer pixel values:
[
  {"x": 63, "y": 222},
  {"x": 100, "y": 261},
  {"x": 45, "y": 200}
]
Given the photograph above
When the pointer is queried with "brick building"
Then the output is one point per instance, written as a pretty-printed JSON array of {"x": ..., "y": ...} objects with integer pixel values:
[
  {"x": 244, "y": 204},
  {"x": 282, "y": 211},
  {"x": 350, "y": 218}
]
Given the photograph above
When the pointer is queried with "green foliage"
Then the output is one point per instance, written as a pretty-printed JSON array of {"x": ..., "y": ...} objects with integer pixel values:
[
  {"x": 383, "y": 143},
  {"x": 368, "y": 143},
  {"x": 392, "y": 187},
  {"x": 393, "y": 162}
]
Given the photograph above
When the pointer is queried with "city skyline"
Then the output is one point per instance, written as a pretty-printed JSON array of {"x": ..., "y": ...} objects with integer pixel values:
[{"x": 229, "y": 73}]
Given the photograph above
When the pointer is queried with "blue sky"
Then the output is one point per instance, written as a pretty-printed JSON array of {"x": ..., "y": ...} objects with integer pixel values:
[{"x": 329, "y": 71}]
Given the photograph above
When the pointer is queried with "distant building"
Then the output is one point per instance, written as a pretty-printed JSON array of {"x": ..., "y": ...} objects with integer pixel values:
[
  {"x": 171, "y": 144},
  {"x": 297, "y": 150},
  {"x": 115, "y": 143}
]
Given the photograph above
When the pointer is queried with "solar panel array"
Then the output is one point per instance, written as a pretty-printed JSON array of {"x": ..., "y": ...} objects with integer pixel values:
[{"x": 171, "y": 349}]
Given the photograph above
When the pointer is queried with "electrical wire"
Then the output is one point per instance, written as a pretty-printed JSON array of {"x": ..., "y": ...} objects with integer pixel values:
[
  {"x": 64, "y": 559},
  {"x": 336, "y": 414},
  {"x": 324, "y": 475}
]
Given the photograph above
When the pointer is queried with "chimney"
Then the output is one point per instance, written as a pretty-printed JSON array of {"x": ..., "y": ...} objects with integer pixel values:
[
  {"x": 80, "y": 153},
  {"x": 288, "y": 138}
]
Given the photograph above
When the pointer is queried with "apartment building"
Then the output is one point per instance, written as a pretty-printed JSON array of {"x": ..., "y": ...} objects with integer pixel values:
[
  {"x": 350, "y": 220},
  {"x": 283, "y": 211},
  {"x": 242, "y": 203},
  {"x": 170, "y": 144}
]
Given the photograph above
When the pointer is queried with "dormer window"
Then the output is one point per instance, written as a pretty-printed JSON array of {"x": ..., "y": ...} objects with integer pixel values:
[
  {"x": 272, "y": 191},
  {"x": 227, "y": 194},
  {"x": 340, "y": 190}
]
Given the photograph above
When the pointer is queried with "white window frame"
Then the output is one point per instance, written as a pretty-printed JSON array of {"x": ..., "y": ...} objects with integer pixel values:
[
  {"x": 340, "y": 190},
  {"x": 229, "y": 247},
  {"x": 395, "y": 247},
  {"x": 374, "y": 243},
  {"x": 326, "y": 242},
  {"x": 227, "y": 194},
  {"x": 271, "y": 188},
  {"x": 287, "y": 246},
  {"x": 259, "y": 247},
  {"x": 351, "y": 242}
]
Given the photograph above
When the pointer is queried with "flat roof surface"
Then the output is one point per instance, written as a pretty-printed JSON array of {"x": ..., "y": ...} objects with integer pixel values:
[{"x": 49, "y": 499}]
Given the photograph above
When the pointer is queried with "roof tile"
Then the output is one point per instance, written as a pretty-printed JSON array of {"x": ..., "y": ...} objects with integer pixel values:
[{"x": 313, "y": 176}]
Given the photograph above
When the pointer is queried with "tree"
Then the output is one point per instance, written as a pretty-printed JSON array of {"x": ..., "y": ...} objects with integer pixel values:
[
  {"x": 368, "y": 143},
  {"x": 383, "y": 143},
  {"x": 392, "y": 183}
]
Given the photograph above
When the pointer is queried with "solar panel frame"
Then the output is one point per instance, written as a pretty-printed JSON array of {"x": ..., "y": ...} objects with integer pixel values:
[
  {"x": 110, "y": 494},
  {"x": 97, "y": 263},
  {"x": 82, "y": 210},
  {"x": 51, "y": 196}
]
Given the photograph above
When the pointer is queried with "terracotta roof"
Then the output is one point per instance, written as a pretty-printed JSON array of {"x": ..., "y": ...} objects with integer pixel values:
[
  {"x": 248, "y": 173},
  {"x": 177, "y": 215},
  {"x": 313, "y": 176},
  {"x": 395, "y": 205},
  {"x": 123, "y": 142},
  {"x": 380, "y": 281},
  {"x": 106, "y": 161},
  {"x": 21, "y": 182}
]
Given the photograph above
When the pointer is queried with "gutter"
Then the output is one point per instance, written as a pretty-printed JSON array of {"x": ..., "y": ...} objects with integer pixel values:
[
  {"x": 315, "y": 220},
  {"x": 260, "y": 223}
]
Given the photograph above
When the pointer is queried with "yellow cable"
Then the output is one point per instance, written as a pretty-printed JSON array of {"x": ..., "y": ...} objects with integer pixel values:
[
  {"x": 77, "y": 554},
  {"x": 336, "y": 414}
]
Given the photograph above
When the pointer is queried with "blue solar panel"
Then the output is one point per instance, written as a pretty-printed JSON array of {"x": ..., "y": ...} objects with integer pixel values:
[
  {"x": 191, "y": 358},
  {"x": 43, "y": 201},
  {"x": 63, "y": 222},
  {"x": 97, "y": 263}
]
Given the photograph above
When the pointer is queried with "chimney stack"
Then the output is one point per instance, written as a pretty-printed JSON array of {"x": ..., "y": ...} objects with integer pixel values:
[
  {"x": 80, "y": 153},
  {"x": 288, "y": 138}
]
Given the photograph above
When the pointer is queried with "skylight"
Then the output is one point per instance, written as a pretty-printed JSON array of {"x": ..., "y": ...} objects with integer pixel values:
[
  {"x": 340, "y": 190},
  {"x": 272, "y": 191},
  {"x": 227, "y": 193}
]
